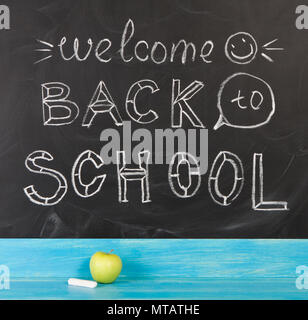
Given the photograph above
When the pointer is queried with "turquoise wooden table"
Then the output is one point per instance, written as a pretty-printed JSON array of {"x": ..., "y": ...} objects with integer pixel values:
[{"x": 157, "y": 269}]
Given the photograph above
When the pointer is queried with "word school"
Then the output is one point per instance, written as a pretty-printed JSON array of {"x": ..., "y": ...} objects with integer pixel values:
[{"x": 141, "y": 173}]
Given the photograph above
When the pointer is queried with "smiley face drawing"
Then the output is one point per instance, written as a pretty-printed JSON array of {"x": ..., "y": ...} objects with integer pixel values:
[{"x": 241, "y": 48}]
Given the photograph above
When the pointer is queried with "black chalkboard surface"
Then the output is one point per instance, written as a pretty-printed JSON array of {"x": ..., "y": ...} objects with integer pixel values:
[{"x": 209, "y": 97}]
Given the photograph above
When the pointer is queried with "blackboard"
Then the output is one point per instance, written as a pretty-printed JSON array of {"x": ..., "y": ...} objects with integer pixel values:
[{"x": 230, "y": 76}]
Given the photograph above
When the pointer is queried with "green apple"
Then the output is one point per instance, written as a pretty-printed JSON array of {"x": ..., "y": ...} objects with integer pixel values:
[{"x": 105, "y": 267}]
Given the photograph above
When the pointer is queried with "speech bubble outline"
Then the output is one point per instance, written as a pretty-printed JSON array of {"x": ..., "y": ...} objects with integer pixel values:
[{"x": 222, "y": 120}]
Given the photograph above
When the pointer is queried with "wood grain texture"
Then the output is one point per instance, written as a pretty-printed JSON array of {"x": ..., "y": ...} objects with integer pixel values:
[
  {"x": 158, "y": 288},
  {"x": 28, "y": 258},
  {"x": 157, "y": 269}
]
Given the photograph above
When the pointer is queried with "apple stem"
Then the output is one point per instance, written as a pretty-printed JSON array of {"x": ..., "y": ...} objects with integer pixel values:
[{"x": 111, "y": 251}]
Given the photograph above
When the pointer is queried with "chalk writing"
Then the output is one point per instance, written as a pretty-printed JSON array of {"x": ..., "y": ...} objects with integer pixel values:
[
  {"x": 236, "y": 96},
  {"x": 244, "y": 101}
]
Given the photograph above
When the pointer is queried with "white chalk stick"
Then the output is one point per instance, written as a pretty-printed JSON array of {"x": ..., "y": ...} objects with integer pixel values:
[{"x": 82, "y": 283}]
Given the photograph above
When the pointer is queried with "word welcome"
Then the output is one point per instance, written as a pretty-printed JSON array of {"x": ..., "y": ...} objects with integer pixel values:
[
  {"x": 157, "y": 53},
  {"x": 240, "y": 48}
]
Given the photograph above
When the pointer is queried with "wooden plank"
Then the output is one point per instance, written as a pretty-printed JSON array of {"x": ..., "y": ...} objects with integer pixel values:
[
  {"x": 159, "y": 288},
  {"x": 145, "y": 258}
]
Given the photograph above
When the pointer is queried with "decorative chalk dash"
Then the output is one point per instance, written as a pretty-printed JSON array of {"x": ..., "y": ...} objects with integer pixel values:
[{"x": 82, "y": 283}]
